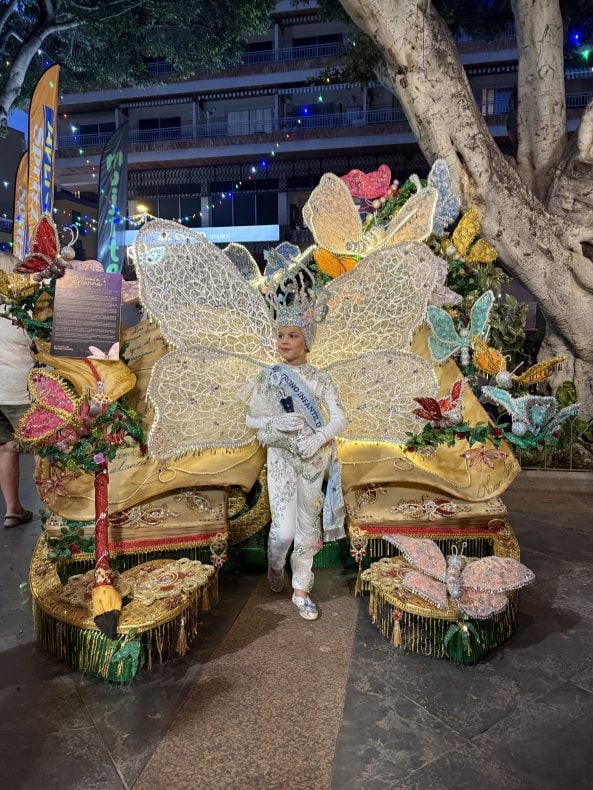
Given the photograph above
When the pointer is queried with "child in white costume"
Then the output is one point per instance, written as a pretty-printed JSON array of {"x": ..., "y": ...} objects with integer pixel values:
[{"x": 298, "y": 451}]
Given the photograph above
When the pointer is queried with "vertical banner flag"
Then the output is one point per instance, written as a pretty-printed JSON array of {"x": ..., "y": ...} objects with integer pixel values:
[
  {"x": 43, "y": 115},
  {"x": 113, "y": 201},
  {"x": 19, "y": 226}
]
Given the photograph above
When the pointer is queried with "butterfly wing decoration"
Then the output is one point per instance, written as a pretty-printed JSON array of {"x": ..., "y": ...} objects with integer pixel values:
[
  {"x": 441, "y": 294},
  {"x": 480, "y": 316},
  {"x": 382, "y": 409},
  {"x": 110, "y": 356},
  {"x": 444, "y": 411},
  {"x": 197, "y": 294},
  {"x": 368, "y": 185},
  {"x": 448, "y": 204},
  {"x": 244, "y": 262},
  {"x": 479, "y": 455},
  {"x": 466, "y": 234},
  {"x": 445, "y": 340},
  {"x": 538, "y": 372},
  {"x": 536, "y": 413},
  {"x": 195, "y": 392},
  {"x": 54, "y": 412},
  {"x": 485, "y": 583},
  {"x": 15, "y": 287},
  {"x": 331, "y": 264},
  {"x": 423, "y": 554},
  {"x": 44, "y": 250},
  {"x": 376, "y": 306},
  {"x": 487, "y": 359}
]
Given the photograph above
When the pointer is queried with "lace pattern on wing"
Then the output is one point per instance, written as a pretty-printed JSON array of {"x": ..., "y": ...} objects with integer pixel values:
[
  {"x": 376, "y": 306},
  {"x": 196, "y": 403},
  {"x": 197, "y": 294},
  {"x": 377, "y": 391}
]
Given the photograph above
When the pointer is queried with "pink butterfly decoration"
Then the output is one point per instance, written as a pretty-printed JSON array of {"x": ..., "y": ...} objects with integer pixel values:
[
  {"x": 112, "y": 355},
  {"x": 56, "y": 413},
  {"x": 478, "y": 588},
  {"x": 478, "y": 455},
  {"x": 368, "y": 185}
]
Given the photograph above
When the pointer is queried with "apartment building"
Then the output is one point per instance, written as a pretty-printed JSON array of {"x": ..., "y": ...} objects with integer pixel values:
[{"x": 236, "y": 153}]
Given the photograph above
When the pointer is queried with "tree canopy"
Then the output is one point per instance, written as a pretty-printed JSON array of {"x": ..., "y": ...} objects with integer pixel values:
[{"x": 107, "y": 43}]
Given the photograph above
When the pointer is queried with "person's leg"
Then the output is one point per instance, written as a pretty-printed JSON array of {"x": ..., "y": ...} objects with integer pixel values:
[
  {"x": 282, "y": 491},
  {"x": 307, "y": 540},
  {"x": 10, "y": 467}
]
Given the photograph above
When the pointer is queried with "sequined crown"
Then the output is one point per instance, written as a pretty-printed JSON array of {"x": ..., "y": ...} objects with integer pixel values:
[{"x": 291, "y": 305}]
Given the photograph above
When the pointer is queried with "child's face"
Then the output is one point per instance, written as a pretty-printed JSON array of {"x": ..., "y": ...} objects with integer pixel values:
[{"x": 291, "y": 345}]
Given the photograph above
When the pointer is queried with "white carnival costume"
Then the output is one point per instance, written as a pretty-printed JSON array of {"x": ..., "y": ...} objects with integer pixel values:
[{"x": 213, "y": 311}]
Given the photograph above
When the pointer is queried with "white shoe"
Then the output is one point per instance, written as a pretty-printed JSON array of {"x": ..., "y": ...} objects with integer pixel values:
[
  {"x": 276, "y": 582},
  {"x": 307, "y": 609}
]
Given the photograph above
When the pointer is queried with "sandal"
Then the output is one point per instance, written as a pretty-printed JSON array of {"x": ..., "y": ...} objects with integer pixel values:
[
  {"x": 16, "y": 519},
  {"x": 307, "y": 609}
]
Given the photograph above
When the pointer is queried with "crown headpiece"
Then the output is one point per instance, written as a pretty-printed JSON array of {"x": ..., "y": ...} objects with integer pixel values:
[{"x": 294, "y": 303}]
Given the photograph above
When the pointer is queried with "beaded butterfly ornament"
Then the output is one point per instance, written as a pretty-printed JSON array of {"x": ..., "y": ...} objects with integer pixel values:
[
  {"x": 45, "y": 258},
  {"x": 443, "y": 412},
  {"x": 447, "y": 341},
  {"x": 537, "y": 414},
  {"x": 223, "y": 335},
  {"x": 490, "y": 361},
  {"x": 477, "y": 589}
]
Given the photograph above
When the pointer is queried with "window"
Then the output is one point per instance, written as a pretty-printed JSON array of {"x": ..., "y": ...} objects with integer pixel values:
[
  {"x": 249, "y": 121},
  {"x": 244, "y": 208},
  {"x": 487, "y": 103},
  {"x": 191, "y": 208},
  {"x": 159, "y": 128},
  {"x": 267, "y": 208},
  {"x": 168, "y": 207},
  {"x": 105, "y": 129}
]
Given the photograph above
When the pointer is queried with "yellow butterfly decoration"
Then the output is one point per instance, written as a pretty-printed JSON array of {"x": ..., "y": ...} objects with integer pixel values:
[
  {"x": 332, "y": 217},
  {"x": 493, "y": 363},
  {"x": 16, "y": 287},
  {"x": 465, "y": 241}
]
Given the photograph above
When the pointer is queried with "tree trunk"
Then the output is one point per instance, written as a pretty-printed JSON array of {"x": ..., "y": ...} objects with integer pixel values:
[{"x": 542, "y": 250}]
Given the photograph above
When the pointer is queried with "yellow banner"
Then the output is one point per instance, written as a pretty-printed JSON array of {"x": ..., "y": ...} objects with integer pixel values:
[
  {"x": 19, "y": 226},
  {"x": 43, "y": 116}
]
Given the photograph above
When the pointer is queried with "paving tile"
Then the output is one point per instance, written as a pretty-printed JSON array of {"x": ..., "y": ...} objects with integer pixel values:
[
  {"x": 75, "y": 760},
  {"x": 384, "y": 736},
  {"x": 547, "y": 740},
  {"x": 466, "y": 767}
]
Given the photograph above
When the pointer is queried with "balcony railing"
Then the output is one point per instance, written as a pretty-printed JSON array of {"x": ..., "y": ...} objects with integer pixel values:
[{"x": 497, "y": 105}]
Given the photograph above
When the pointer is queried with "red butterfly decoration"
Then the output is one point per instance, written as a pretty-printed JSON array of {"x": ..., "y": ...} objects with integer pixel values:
[
  {"x": 45, "y": 258},
  {"x": 445, "y": 411},
  {"x": 368, "y": 185}
]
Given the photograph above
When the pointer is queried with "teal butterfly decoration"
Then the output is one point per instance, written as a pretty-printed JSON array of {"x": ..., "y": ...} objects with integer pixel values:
[
  {"x": 536, "y": 414},
  {"x": 447, "y": 341}
]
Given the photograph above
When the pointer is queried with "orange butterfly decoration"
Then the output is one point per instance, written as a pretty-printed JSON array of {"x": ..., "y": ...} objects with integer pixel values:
[
  {"x": 490, "y": 361},
  {"x": 331, "y": 264}
]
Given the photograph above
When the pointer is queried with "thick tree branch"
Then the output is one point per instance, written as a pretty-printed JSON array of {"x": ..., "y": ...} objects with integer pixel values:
[
  {"x": 7, "y": 13},
  {"x": 541, "y": 110},
  {"x": 425, "y": 72},
  {"x": 571, "y": 193}
]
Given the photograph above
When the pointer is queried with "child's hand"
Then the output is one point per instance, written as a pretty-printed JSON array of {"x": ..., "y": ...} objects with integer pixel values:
[
  {"x": 289, "y": 423},
  {"x": 309, "y": 445}
]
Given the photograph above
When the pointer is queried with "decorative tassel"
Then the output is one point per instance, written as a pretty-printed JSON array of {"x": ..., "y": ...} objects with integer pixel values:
[
  {"x": 358, "y": 586},
  {"x": 181, "y": 645},
  {"x": 396, "y": 634}
]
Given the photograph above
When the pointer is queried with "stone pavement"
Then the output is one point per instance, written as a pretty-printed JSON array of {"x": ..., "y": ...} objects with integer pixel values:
[{"x": 522, "y": 718}]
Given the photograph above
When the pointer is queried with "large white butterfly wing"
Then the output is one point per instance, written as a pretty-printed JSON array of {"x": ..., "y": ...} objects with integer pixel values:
[
  {"x": 422, "y": 553},
  {"x": 197, "y": 294},
  {"x": 377, "y": 391},
  {"x": 195, "y": 395},
  {"x": 414, "y": 220},
  {"x": 377, "y": 305},
  {"x": 332, "y": 217}
]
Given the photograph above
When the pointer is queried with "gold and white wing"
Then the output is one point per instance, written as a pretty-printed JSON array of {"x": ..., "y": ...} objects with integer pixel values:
[
  {"x": 196, "y": 399},
  {"x": 332, "y": 217},
  {"x": 197, "y": 294},
  {"x": 377, "y": 305},
  {"x": 377, "y": 391},
  {"x": 414, "y": 220}
]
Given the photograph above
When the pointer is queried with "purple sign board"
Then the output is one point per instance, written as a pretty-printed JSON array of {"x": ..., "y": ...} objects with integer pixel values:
[{"x": 87, "y": 315}]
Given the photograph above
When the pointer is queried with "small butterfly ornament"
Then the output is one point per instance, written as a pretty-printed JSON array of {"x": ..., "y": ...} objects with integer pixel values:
[
  {"x": 368, "y": 185},
  {"x": 109, "y": 356},
  {"x": 490, "y": 361},
  {"x": 45, "y": 258},
  {"x": 446, "y": 341},
  {"x": 537, "y": 414},
  {"x": 443, "y": 412},
  {"x": 466, "y": 244},
  {"x": 482, "y": 457},
  {"x": 478, "y": 589}
]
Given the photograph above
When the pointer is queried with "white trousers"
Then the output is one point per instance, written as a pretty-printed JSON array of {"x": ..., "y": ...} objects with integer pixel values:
[{"x": 296, "y": 500}]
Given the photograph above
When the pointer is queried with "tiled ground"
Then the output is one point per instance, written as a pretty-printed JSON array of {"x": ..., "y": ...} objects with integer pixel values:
[{"x": 522, "y": 718}]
